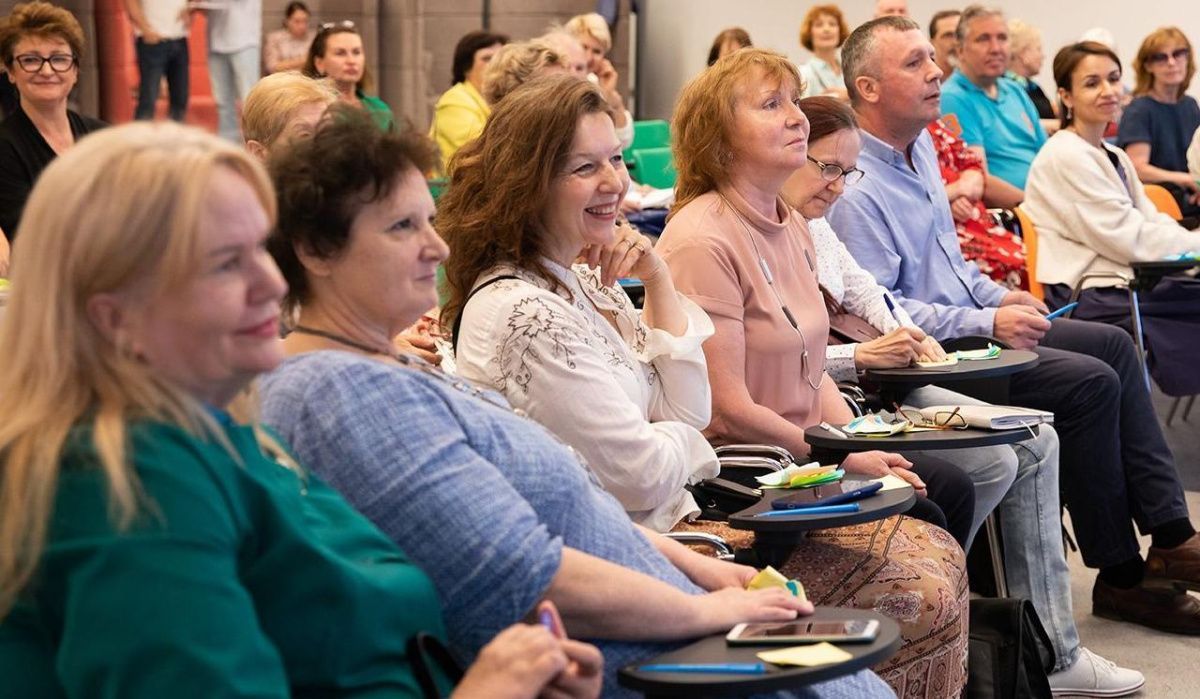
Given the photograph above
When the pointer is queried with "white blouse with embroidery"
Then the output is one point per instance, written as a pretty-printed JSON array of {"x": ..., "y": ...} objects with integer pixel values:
[
  {"x": 856, "y": 289},
  {"x": 631, "y": 402}
]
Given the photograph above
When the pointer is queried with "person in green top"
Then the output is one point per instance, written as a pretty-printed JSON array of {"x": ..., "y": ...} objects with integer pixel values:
[
  {"x": 150, "y": 545},
  {"x": 337, "y": 53}
]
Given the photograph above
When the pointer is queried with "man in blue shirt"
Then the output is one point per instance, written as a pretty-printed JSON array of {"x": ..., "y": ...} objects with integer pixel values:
[
  {"x": 995, "y": 113},
  {"x": 1115, "y": 464}
]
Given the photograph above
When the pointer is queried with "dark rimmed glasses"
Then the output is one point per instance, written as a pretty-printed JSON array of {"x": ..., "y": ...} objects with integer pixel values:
[
  {"x": 59, "y": 62},
  {"x": 1180, "y": 56},
  {"x": 831, "y": 172}
]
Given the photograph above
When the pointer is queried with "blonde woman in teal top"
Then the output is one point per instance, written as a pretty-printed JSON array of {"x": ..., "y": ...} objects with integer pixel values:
[{"x": 149, "y": 545}]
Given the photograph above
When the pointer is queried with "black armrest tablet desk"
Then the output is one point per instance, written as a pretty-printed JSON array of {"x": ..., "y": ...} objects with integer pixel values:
[
  {"x": 775, "y": 537},
  {"x": 714, "y": 649},
  {"x": 1009, "y": 362},
  {"x": 1146, "y": 275},
  {"x": 832, "y": 449}
]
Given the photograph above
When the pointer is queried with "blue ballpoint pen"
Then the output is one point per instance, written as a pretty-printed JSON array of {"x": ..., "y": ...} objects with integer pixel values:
[
  {"x": 716, "y": 668},
  {"x": 1065, "y": 309},
  {"x": 887, "y": 298},
  {"x": 818, "y": 510}
]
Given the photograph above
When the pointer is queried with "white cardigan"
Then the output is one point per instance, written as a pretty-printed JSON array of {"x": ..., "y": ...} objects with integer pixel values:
[
  {"x": 632, "y": 403},
  {"x": 1087, "y": 221}
]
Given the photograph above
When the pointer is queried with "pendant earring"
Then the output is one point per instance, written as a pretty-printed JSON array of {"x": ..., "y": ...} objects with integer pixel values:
[{"x": 1070, "y": 113}]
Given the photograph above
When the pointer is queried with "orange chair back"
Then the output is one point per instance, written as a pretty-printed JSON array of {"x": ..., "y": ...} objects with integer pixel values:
[
  {"x": 1163, "y": 201},
  {"x": 1029, "y": 235}
]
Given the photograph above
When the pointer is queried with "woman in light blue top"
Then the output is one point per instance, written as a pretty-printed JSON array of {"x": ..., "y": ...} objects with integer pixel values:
[{"x": 822, "y": 33}]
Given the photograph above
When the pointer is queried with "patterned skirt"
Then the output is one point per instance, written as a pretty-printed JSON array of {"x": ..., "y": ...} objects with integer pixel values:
[{"x": 904, "y": 568}]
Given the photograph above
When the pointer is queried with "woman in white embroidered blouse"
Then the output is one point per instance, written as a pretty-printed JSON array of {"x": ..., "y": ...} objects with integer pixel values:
[{"x": 561, "y": 340}]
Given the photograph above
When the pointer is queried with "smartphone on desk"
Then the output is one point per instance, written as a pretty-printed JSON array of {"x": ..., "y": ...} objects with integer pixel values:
[
  {"x": 800, "y": 631},
  {"x": 832, "y": 494}
]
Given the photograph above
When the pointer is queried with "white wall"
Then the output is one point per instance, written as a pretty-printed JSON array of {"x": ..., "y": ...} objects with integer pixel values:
[{"x": 678, "y": 33}]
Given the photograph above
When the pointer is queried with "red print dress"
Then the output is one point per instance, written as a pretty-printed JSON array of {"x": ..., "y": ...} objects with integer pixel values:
[{"x": 997, "y": 252}]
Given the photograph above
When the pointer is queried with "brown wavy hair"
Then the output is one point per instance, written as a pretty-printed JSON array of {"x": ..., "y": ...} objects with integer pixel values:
[
  {"x": 40, "y": 19},
  {"x": 810, "y": 18},
  {"x": 702, "y": 127},
  {"x": 500, "y": 183},
  {"x": 1153, "y": 44}
]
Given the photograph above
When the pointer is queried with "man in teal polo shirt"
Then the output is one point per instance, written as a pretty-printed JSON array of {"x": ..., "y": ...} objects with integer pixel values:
[{"x": 994, "y": 112}]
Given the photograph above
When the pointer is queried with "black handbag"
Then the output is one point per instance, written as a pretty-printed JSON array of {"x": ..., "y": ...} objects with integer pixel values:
[
  {"x": 1009, "y": 653},
  {"x": 846, "y": 328},
  {"x": 720, "y": 497}
]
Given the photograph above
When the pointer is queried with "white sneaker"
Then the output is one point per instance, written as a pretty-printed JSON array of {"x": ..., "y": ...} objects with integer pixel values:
[{"x": 1093, "y": 676}]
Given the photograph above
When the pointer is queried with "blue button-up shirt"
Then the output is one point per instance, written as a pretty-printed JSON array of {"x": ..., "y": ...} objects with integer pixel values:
[{"x": 897, "y": 224}]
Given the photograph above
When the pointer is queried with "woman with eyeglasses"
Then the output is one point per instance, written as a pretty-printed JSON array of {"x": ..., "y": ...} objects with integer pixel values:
[
  {"x": 1018, "y": 481},
  {"x": 40, "y": 45},
  {"x": 736, "y": 249},
  {"x": 337, "y": 53},
  {"x": 1157, "y": 126}
]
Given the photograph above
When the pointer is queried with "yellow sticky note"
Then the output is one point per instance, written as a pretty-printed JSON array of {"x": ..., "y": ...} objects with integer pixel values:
[
  {"x": 767, "y": 578},
  {"x": 806, "y": 656},
  {"x": 950, "y": 360}
]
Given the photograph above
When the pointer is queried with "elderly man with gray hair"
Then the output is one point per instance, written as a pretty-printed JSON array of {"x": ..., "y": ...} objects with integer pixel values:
[{"x": 1115, "y": 464}]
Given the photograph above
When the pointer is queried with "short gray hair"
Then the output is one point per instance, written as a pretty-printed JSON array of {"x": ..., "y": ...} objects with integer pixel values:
[
  {"x": 858, "y": 53},
  {"x": 972, "y": 13}
]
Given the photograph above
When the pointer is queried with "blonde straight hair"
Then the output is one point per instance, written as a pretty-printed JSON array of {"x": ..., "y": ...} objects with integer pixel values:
[{"x": 118, "y": 212}]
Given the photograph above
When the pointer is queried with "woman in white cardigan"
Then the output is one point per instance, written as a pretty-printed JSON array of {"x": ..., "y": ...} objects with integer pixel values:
[{"x": 1092, "y": 215}]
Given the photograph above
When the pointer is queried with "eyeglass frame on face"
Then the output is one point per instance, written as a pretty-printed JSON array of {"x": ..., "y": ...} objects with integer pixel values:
[
  {"x": 43, "y": 60},
  {"x": 1180, "y": 55},
  {"x": 850, "y": 176}
]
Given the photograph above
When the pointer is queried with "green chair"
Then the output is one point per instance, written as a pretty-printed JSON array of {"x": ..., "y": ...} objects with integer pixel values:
[
  {"x": 437, "y": 186},
  {"x": 655, "y": 167},
  {"x": 654, "y": 133}
]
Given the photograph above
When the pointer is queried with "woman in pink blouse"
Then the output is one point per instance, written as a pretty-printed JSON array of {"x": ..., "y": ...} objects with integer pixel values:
[{"x": 742, "y": 254}]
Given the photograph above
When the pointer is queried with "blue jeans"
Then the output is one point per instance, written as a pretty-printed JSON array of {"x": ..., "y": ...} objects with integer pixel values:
[
  {"x": 1021, "y": 481},
  {"x": 169, "y": 58},
  {"x": 232, "y": 76}
]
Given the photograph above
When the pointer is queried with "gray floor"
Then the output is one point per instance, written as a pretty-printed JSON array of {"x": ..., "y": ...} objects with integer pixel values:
[
  {"x": 1184, "y": 438},
  {"x": 1170, "y": 663}
]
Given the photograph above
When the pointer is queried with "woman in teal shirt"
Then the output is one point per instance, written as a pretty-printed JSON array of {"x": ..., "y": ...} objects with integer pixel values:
[
  {"x": 337, "y": 53},
  {"x": 149, "y": 545}
]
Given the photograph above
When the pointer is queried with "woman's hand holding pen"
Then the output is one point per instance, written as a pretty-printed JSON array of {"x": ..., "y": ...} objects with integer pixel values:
[{"x": 901, "y": 347}]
